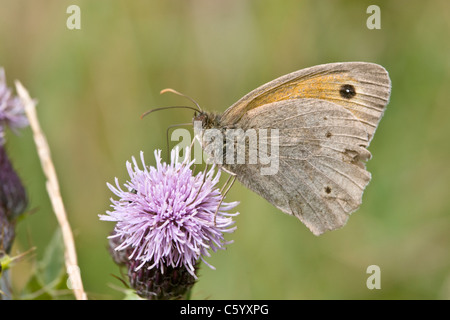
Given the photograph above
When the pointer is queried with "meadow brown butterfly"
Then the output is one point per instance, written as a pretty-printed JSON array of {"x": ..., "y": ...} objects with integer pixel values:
[{"x": 325, "y": 117}]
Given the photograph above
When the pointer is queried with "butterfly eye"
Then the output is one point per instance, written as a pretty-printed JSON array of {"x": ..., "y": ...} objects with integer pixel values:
[
  {"x": 347, "y": 91},
  {"x": 203, "y": 117}
]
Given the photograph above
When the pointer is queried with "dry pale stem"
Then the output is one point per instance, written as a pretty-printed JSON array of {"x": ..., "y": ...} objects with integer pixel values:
[{"x": 54, "y": 193}]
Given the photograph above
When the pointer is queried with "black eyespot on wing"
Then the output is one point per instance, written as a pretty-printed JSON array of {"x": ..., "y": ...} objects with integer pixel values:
[
  {"x": 328, "y": 189},
  {"x": 347, "y": 91}
]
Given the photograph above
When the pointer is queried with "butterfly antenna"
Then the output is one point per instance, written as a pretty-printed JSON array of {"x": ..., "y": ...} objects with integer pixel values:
[
  {"x": 174, "y": 107},
  {"x": 183, "y": 95},
  {"x": 164, "y": 108}
]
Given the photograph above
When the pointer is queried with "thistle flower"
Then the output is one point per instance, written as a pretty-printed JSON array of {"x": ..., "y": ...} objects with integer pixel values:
[
  {"x": 7, "y": 234},
  {"x": 12, "y": 111},
  {"x": 165, "y": 221},
  {"x": 13, "y": 200},
  {"x": 152, "y": 284}
]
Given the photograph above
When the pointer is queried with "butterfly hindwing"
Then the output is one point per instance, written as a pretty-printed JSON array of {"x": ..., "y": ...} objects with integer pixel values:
[{"x": 322, "y": 148}]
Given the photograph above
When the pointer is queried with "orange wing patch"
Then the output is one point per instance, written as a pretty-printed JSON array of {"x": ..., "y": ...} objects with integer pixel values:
[{"x": 325, "y": 87}]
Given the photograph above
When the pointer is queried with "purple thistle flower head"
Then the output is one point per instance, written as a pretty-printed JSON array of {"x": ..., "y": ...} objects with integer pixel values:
[
  {"x": 165, "y": 215},
  {"x": 12, "y": 111},
  {"x": 7, "y": 234},
  {"x": 13, "y": 198}
]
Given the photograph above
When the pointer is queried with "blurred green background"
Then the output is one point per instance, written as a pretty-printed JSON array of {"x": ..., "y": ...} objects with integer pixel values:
[{"x": 94, "y": 83}]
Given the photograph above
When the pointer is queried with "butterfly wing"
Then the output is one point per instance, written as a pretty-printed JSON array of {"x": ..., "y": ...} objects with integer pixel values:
[
  {"x": 361, "y": 88},
  {"x": 321, "y": 149}
]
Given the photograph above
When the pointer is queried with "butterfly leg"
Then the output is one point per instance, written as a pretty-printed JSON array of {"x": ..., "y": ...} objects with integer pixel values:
[{"x": 228, "y": 185}]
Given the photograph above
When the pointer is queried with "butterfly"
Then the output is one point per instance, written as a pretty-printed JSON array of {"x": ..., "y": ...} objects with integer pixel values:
[{"x": 325, "y": 117}]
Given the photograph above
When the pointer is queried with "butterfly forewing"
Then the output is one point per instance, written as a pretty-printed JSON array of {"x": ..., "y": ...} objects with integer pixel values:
[{"x": 360, "y": 87}]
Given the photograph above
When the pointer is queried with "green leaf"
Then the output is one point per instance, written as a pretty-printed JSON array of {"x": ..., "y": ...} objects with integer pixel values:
[
  {"x": 130, "y": 294},
  {"x": 50, "y": 278},
  {"x": 51, "y": 267}
]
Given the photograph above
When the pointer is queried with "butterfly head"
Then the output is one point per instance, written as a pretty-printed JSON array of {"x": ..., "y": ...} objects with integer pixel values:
[{"x": 208, "y": 120}]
